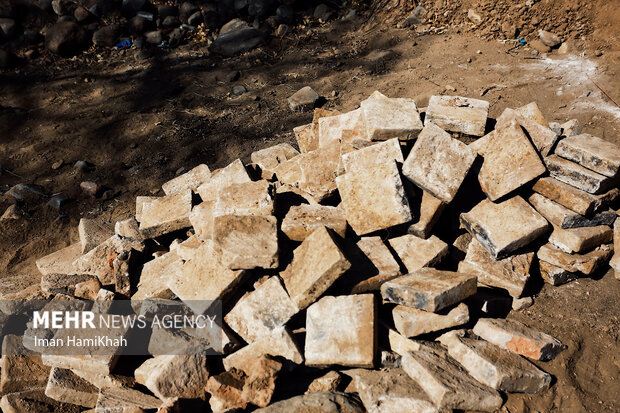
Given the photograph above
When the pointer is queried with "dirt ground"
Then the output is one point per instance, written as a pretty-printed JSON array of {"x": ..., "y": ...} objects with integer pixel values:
[{"x": 140, "y": 120}]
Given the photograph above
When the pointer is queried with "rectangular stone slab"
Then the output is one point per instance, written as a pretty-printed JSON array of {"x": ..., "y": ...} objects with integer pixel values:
[
  {"x": 586, "y": 264},
  {"x": 247, "y": 198},
  {"x": 458, "y": 114},
  {"x": 93, "y": 232},
  {"x": 532, "y": 112},
  {"x": 302, "y": 220},
  {"x": 234, "y": 173},
  {"x": 573, "y": 198},
  {"x": 318, "y": 170},
  {"x": 155, "y": 274},
  {"x": 166, "y": 214},
  {"x": 429, "y": 289},
  {"x": 447, "y": 384},
  {"x": 330, "y": 127},
  {"x": 65, "y": 386},
  {"x": 438, "y": 163},
  {"x": 518, "y": 338},
  {"x": 555, "y": 275},
  {"x": 502, "y": 228},
  {"x": 494, "y": 366},
  {"x": 416, "y": 253},
  {"x": 510, "y": 273},
  {"x": 566, "y": 218},
  {"x": 61, "y": 261},
  {"x": 190, "y": 180},
  {"x": 387, "y": 118},
  {"x": 591, "y": 152},
  {"x": 306, "y": 140},
  {"x": 369, "y": 157},
  {"x": 580, "y": 239},
  {"x": 411, "y": 322},
  {"x": 269, "y": 158},
  {"x": 342, "y": 331},
  {"x": 576, "y": 175}
]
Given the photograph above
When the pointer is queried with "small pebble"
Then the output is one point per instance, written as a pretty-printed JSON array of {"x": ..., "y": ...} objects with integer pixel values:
[
  {"x": 90, "y": 188},
  {"x": 57, "y": 165},
  {"x": 239, "y": 89},
  {"x": 58, "y": 201},
  {"x": 83, "y": 166},
  {"x": 233, "y": 76}
]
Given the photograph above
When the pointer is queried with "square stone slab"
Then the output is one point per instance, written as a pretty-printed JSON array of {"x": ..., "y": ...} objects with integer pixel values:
[
  {"x": 576, "y": 175},
  {"x": 573, "y": 198},
  {"x": 248, "y": 198},
  {"x": 66, "y": 387},
  {"x": 510, "y": 161},
  {"x": 566, "y": 218},
  {"x": 502, "y": 228},
  {"x": 190, "y": 180},
  {"x": 342, "y": 331},
  {"x": 542, "y": 137},
  {"x": 234, "y": 173},
  {"x": 411, "y": 322},
  {"x": 429, "y": 213},
  {"x": 318, "y": 171},
  {"x": 586, "y": 264},
  {"x": 591, "y": 152},
  {"x": 416, "y": 253},
  {"x": 387, "y": 118},
  {"x": 458, "y": 114},
  {"x": 93, "y": 232},
  {"x": 306, "y": 140},
  {"x": 61, "y": 261},
  {"x": 510, "y": 273},
  {"x": 373, "y": 155},
  {"x": 166, "y": 214},
  {"x": 438, "y": 163},
  {"x": 532, "y": 112},
  {"x": 580, "y": 239},
  {"x": 302, "y": 220},
  {"x": 331, "y": 127},
  {"x": 317, "y": 263},
  {"x": 429, "y": 289},
  {"x": 374, "y": 199},
  {"x": 268, "y": 159},
  {"x": 155, "y": 275}
]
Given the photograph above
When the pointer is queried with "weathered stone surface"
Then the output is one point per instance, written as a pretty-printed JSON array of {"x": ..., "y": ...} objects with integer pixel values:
[
  {"x": 532, "y": 112},
  {"x": 428, "y": 215},
  {"x": 61, "y": 261},
  {"x": 247, "y": 198},
  {"x": 458, "y": 114},
  {"x": 226, "y": 391},
  {"x": 188, "y": 181},
  {"x": 330, "y": 128},
  {"x": 371, "y": 156},
  {"x": 259, "y": 312},
  {"x": 268, "y": 159},
  {"x": 304, "y": 98},
  {"x": 615, "y": 260},
  {"x": 187, "y": 249},
  {"x": 261, "y": 381},
  {"x": 87, "y": 290},
  {"x": 387, "y": 118},
  {"x": 105, "y": 380},
  {"x": 438, "y": 163},
  {"x": 169, "y": 376},
  {"x": 201, "y": 219},
  {"x": 585, "y": 264},
  {"x": 166, "y": 214},
  {"x": 330, "y": 381},
  {"x": 374, "y": 199},
  {"x": 164, "y": 341},
  {"x": 573, "y": 198},
  {"x": 204, "y": 278},
  {"x": 140, "y": 201},
  {"x": 416, "y": 253},
  {"x": 591, "y": 152},
  {"x": 565, "y": 218},
  {"x": 318, "y": 171},
  {"x": 63, "y": 283},
  {"x": 429, "y": 289},
  {"x": 306, "y": 139},
  {"x": 510, "y": 161},
  {"x": 65, "y": 386},
  {"x": 317, "y": 263},
  {"x": 93, "y": 232},
  {"x": 518, "y": 338},
  {"x": 234, "y": 173},
  {"x": 411, "y": 322},
  {"x": 342, "y": 330},
  {"x": 543, "y": 138},
  {"x": 380, "y": 255},
  {"x": 21, "y": 368},
  {"x": 571, "y": 128},
  {"x": 502, "y": 228},
  {"x": 401, "y": 344},
  {"x": 390, "y": 391},
  {"x": 111, "y": 399},
  {"x": 580, "y": 239},
  {"x": 155, "y": 275},
  {"x": 324, "y": 402},
  {"x": 555, "y": 275},
  {"x": 510, "y": 273},
  {"x": 446, "y": 383},
  {"x": 493, "y": 366},
  {"x": 279, "y": 343},
  {"x": 128, "y": 228},
  {"x": 578, "y": 176},
  {"x": 34, "y": 401},
  {"x": 302, "y": 220}
]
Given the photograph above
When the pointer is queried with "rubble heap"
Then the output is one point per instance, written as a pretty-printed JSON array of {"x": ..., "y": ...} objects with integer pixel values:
[{"x": 372, "y": 267}]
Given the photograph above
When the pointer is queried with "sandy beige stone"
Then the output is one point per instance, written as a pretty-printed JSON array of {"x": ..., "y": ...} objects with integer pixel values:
[
  {"x": 532, "y": 112},
  {"x": 34, "y": 400},
  {"x": 170, "y": 376},
  {"x": 128, "y": 228},
  {"x": 380, "y": 255},
  {"x": 591, "y": 152},
  {"x": 302, "y": 220},
  {"x": 387, "y": 118},
  {"x": 458, "y": 114},
  {"x": 576, "y": 175},
  {"x": 571, "y": 128},
  {"x": 260, "y": 384},
  {"x": 188, "y": 181},
  {"x": 401, "y": 344},
  {"x": 543, "y": 138},
  {"x": 306, "y": 140},
  {"x": 140, "y": 201},
  {"x": 416, "y": 253},
  {"x": 66, "y": 387},
  {"x": 555, "y": 275},
  {"x": 61, "y": 261},
  {"x": 330, "y": 127},
  {"x": 428, "y": 215},
  {"x": 371, "y": 156},
  {"x": 166, "y": 214},
  {"x": 580, "y": 239},
  {"x": 565, "y": 218},
  {"x": 585, "y": 264},
  {"x": 411, "y": 322},
  {"x": 330, "y": 381},
  {"x": 319, "y": 170},
  {"x": 234, "y": 173},
  {"x": 573, "y": 198},
  {"x": 155, "y": 275},
  {"x": 615, "y": 260},
  {"x": 268, "y": 159},
  {"x": 247, "y": 198},
  {"x": 113, "y": 398},
  {"x": 93, "y": 232},
  {"x": 21, "y": 367}
]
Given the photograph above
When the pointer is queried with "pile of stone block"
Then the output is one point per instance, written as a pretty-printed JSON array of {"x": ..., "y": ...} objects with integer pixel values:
[{"x": 365, "y": 272}]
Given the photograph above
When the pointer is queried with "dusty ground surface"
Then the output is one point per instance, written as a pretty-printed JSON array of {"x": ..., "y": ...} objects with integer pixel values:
[{"x": 140, "y": 120}]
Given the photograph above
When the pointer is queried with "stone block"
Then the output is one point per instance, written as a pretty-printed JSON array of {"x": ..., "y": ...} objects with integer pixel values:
[
  {"x": 113, "y": 399},
  {"x": 63, "y": 283},
  {"x": 411, "y": 322},
  {"x": 580, "y": 239},
  {"x": 429, "y": 289},
  {"x": 387, "y": 118},
  {"x": 502, "y": 228},
  {"x": 128, "y": 228},
  {"x": 248, "y": 198},
  {"x": 166, "y": 214},
  {"x": 140, "y": 201},
  {"x": 155, "y": 275},
  {"x": 268, "y": 159},
  {"x": 66, "y": 387},
  {"x": 330, "y": 381},
  {"x": 201, "y": 219},
  {"x": 260, "y": 384},
  {"x": 585, "y": 264},
  {"x": 317, "y": 402},
  {"x": 615, "y": 260},
  {"x": 518, "y": 338},
  {"x": 416, "y": 253},
  {"x": 401, "y": 344},
  {"x": 61, "y": 261},
  {"x": 21, "y": 368},
  {"x": 93, "y": 232},
  {"x": 306, "y": 139},
  {"x": 571, "y": 128},
  {"x": 318, "y": 171},
  {"x": 302, "y": 220},
  {"x": 438, "y": 163},
  {"x": 565, "y": 218},
  {"x": 369, "y": 157},
  {"x": 188, "y": 181},
  {"x": 342, "y": 331},
  {"x": 591, "y": 152},
  {"x": 330, "y": 127},
  {"x": 573, "y": 198},
  {"x": 316, "y": 264},
  {"x": 234, "y": 173},
  {"x": 171, "y": 376},
  {"x": 458, "y": 114},
  {"x": 380, "y": 255},
  {"x": 543, "y": 138},
  {"x": 555, "y": 275},
  {"x": 429, "y": 213},
  {"x": 532, "y": 112},
  {"x": 576, "y": 175},
  {"x": 88, "y": 290},
  {"x": 34, "y": 401}
]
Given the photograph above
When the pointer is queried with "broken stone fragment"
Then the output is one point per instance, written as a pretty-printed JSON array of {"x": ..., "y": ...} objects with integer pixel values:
[
  {"x": 61, "y": 261},
  {"x": 458, "y": 114},
  {"x": 580, "y": 239},
  {"x": 573, "y": 198},
  {"x": 510, "y": 273},
  {"x": 585, "y": 264},
  {"x": 591, "y": 152},
  {"x": 34, "y": 400},
  {"x": 140, "y": 201},
  {"x": 303, "y": 99},
  {"x": 342, "y": 330},
  {"x": 565, "y": 218},
  {"x": 306, "y": 139},
  {"x": 63, "y": 283},
  {"x": 430, "y": 211},
  {"x": 374, "y": 199},
  {"x": 318, "y": 171},
  {"x": 494, "y": 366},
  {"x": 259, "y": 312},
  {"x": 387, "y": 118},
  {"x": 164, "y": 341},
  {"x": 317, "y": 263},
  {"x": 446, "y": 383},
  {"x": 155, "y": 275},
  {"x": 555, "y": 275},
  {"x": 380, "y": 255},
  {"x": 105, "y": 380},
  {"x": 261, "y": 382},
  {"x": 615, "y": 260},
  {"x": 330, "y": 381},
  {"x": 429, "y": 289},
  {"x": 128, "y": 228},
  {"x": 66, "y": 387},
  {"x": 576, "y": 175},
  {"x": 518, "y": 338},
  {"x": 302, "y": 220},
  {"x": 371, "y": 156},
  {"x": 571, "y": 128},
  {"x": 166, "y": 214},
  {"x": 187, "y": 249},
  {"x": 234, "y": 173},
  {"x": 201, "y": 219},
  {"x": 510, "y": 161},
  {"x": 93, "y": 232},
  {"x": 248, "y": 198},
  {"x": 411, "y": 322},
  {"x": 502, "y": 228},
  {"x": 438, "y": 163},
  {"x": 416, "y": 253},
  {"x": 268, "y": 159},
  {"x": 87, "y": 290},
  {"x": 113, "y": 399},
  {"x": 21, "y": 367},
  {"x": 188, "y": 181},
  {"x": 317, "y": 402},
  {"x": 169, "y": 376},
  {"x": 543, "y": 138},
  {"x": 401, "y": 344},
  {"x": 532, "y": 112}
]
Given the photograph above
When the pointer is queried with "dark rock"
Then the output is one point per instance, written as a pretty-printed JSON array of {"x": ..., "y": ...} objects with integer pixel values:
[
  {"x": 32, "y": 37},
  {"x": 45, "y": 5},
  {"x": 271, "y": 21},
  {"x": 195, "y": 19},
  {"x": 176, "y": 37},
  {"x": 7, "y": 9},
  {"x": 63, "y": 7},
  {"x": 103, "y": 8},
  {"x": 66, "y": 18},
  {"x": 58, "y": 201},
  {"x": 233, "y": 76},
  {"x": 9, "y": 27},
  {"x": 83, "y": 166},
  {"x": 129, "y": 8},
  {"x": 186, "y": 10},
  {"x": 81, "y": 14},
  {"x": 233, "y": 25},
  {"x": 239, "y": 89},
  {"x": 212, "y": 20},
  {"x": 317, "y": 402},
  {"x": 106, "y": 36},
  {"x": 231, "y": 43},
  {"x": 138, "y": 42},
  {"x": 28, "y": 193},
  {"x": 261, "y": 8},
  {"x": 285, "y": 14},
  {"x": 92, "y": 27},
  {"x": 164, "y": 11},
  {"x": 324, "y": 12},
  {"x": 66, "y": 39},
  {"x": 7, "y": 59},
  {"x": 155, "y": 37},
  {"x": 138, "y": 25},
  {"x": 171, "y": 22}
]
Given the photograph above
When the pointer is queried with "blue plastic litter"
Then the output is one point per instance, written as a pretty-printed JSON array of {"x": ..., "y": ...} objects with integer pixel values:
[
  {"x": 522, "y": 42},
  {"x": 124, "y": 44}
]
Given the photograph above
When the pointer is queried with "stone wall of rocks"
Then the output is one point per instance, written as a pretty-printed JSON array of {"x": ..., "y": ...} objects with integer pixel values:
[{"x": 372, "y": 260}]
